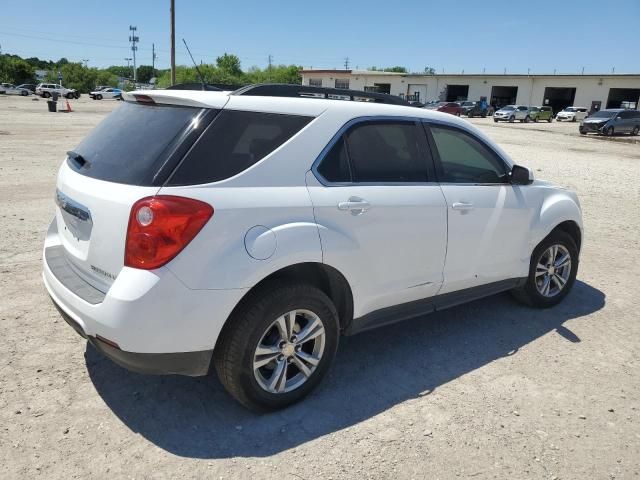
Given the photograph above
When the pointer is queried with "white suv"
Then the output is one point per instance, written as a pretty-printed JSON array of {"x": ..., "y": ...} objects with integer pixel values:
[
  {"x": 248, "y": 230},
  {"x": 45, "y": 90},
  {"x": 511, "y": 113},
  {"x": 572, "y": 114}
]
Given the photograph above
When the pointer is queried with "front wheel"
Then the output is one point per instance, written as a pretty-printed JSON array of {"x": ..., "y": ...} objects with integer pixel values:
[
  {"x": 98, "y": 97},
  {"x": 512, "y": 119},
  {"x": 277, "y": 346},
  {"x": 609, "y": 132},
  {"x": 552, "y": 271}
]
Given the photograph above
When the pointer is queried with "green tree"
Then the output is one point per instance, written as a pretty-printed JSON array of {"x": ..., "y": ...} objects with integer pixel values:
[
  {"x": 145, "y": 72},
  {"x": 230, "y": 64},
  {"x": 121, "y": 71},
  {"x": 14, "y": 69}
]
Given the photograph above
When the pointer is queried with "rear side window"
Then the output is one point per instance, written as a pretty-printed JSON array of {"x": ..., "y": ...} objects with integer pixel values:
[
  {"x": 132, "y": 143},
  {"x": 378, "y": 152},
  {"x": 235, "y": 141},
  {"x": 387, "y": 152},
  {"x": 464, "y": 159}
]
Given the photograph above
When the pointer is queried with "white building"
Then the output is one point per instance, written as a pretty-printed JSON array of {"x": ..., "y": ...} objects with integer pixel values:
[{"x": 557, "y": 91}]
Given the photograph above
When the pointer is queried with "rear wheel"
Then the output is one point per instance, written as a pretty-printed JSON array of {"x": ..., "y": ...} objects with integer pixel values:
[
  {"x": 46, "y": 95},
  {"x": 550, "y": 119},
  {"x": 535, "y": 119},
  {"x": 552, "y": 271},
  {"x": 24, "y": 93},
  {"x": 70, "y": 95},
  {"x": 635, "y": 131},
  {"x": 527, "y": 119},
  {"x": 278, "y": 346}
]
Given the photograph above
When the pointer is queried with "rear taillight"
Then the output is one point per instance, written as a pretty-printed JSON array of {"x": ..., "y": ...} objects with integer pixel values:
[{"x": 160, "y": 227}]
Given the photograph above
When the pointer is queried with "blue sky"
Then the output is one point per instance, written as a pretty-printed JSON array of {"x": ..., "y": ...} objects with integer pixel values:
[{"x": 453, "y": 35}]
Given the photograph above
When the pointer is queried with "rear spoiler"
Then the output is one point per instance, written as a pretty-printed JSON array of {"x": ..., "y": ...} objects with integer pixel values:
[{"x": 185, "y": 98}]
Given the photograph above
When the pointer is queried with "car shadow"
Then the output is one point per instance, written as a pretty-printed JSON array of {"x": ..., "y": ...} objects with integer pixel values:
[{"x": 373, "y": 371}]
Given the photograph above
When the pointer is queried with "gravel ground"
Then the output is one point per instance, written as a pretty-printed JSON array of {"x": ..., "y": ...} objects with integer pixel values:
[{"x": 486, "y": 390}]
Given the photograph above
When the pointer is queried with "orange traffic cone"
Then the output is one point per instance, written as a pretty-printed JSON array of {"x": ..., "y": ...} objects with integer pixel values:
[{"x": 69, "y": 107}]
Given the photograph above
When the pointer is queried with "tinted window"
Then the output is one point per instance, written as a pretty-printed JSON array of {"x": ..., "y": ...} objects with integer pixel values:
[
  {"x": 131, "y": 144},
  {"x": 234, "y": 142},
  {"x": 387, "y": 152},
  {"x": 335, "y": 165},
  {"x": 463, "y": 159}
]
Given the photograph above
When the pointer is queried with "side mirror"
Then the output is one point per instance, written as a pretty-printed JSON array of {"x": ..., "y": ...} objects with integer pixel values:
[{"x": 521, "y": 175}]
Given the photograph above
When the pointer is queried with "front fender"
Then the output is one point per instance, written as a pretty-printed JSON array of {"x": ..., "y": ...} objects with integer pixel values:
[{"x": 561, "y": 206}]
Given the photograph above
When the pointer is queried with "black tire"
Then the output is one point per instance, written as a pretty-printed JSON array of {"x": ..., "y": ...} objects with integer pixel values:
[
  {"x": 233, "y": 356},
  {"x": 46, "y": 95},
  {"x": 527, "y": 119},
  {"x": 69, "y": 95},
  {"x": 583, "y": 132},
  {"x": 635, "y": 131},
  {"x": 609, "y": 132},
  {"x": 76, "y": 95},
  {"x": 573, "y": 119},
  {"x": 550, "y": 119},
  {"x": 528, "y": 294},
  {"x": 24, "y": 93},
  {"x": 535, "y": 119},
  {"x": 98, "y": 97},
  {"x": 495, "y": 120},
  {"x": 512, "y": 119}
]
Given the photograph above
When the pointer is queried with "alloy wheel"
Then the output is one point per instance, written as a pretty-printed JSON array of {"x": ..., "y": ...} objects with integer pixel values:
[
  {"x": 289, "y": 351},
  {"x": 553, "y": 270}
]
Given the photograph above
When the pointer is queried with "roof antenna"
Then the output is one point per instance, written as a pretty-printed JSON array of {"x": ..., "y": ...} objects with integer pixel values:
[{"x": 195, "y": 65}]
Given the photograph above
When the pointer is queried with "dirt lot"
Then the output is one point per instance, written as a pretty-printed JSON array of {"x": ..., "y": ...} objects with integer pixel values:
[{"x": 487, "y": 390}]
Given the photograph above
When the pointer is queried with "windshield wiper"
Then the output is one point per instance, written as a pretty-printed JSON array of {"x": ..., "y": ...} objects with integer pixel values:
[{"x": 76, "y": 157}]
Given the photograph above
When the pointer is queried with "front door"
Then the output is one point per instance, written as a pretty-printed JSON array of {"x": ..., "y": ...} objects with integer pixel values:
[
  {"x": 381, "y": 217},
  {"x": 488, "y": 217}
]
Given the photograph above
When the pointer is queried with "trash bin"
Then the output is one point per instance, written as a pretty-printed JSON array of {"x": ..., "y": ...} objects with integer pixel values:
[{"x": 53, "y": 106}]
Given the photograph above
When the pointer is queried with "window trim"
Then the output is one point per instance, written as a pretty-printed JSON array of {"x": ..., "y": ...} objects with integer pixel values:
[
  {"x": 339, "y": 135},
  {"x": 435, "y": 154}
]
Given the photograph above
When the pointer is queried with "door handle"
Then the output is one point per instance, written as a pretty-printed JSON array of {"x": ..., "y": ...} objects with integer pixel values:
[
  {"x": 356, "y": 206},
  {"x": 462, "y": 206}
]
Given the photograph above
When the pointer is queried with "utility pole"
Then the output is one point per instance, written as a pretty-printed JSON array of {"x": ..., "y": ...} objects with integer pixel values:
[
  {"x": 128, "y": 64},
  {"x": 269, "y": 61},
  {"x": 153, "y": 59},
  {"x": 134, "y": 39},
  {"x": 346, "y": 63},
  {"x": 173, "y": 42}
]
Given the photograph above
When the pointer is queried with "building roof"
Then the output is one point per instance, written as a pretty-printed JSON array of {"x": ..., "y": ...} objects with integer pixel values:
[{"x": 474, "y": 75}]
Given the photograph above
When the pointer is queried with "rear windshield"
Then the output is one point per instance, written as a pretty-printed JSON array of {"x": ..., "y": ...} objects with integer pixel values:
[
  {"x": 132, "y": 144},
  {"x": 235, "y": 141}
]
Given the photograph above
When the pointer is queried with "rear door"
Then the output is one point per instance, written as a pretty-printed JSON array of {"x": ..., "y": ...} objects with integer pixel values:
[
  {"x": 121, "y": 161},
  {"x": 381, "y": 215},
  {"x": 488, "y": 218}
]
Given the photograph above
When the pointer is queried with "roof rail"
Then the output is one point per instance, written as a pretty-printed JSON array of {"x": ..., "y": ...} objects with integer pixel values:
[{"x": 304, "y": 91}]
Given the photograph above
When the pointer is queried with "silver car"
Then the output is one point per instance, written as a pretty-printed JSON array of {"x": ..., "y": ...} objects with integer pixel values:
[
  {"x": 10, "y": 89},
  {"x": 511, "y": 113}
]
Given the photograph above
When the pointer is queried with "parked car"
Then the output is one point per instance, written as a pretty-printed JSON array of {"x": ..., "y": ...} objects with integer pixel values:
[
  {"x": 231, "y": 231},
  {"x": 113, "y": 93},
  {"x": 101, "y": 87},
  {"x": 612, "y": 121},
  {"x": 45, "y": 90},
  {"x": 479, "y": 109},
  {"x": 453, "y": 108},
  {"x": 572, "y": 114},
  {"x": 29, "y": 86},
  {"x": 541, "y": 113},
  {"x": 511, "y": 113},
  {"x": 466, "y": 105},
  {"x": 10, "y": 89}
]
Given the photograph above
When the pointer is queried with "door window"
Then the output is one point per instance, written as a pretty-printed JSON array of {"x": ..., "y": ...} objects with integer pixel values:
[{"x": 464, "y": 159}]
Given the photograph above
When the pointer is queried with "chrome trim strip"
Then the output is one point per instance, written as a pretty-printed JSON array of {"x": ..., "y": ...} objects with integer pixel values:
[{"x": 72, "y": 207}]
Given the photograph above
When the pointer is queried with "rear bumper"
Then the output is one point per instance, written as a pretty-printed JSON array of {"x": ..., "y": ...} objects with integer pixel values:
[
  {"x": 192, "y": 364},
  {"x": 158, "y": 324}
]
